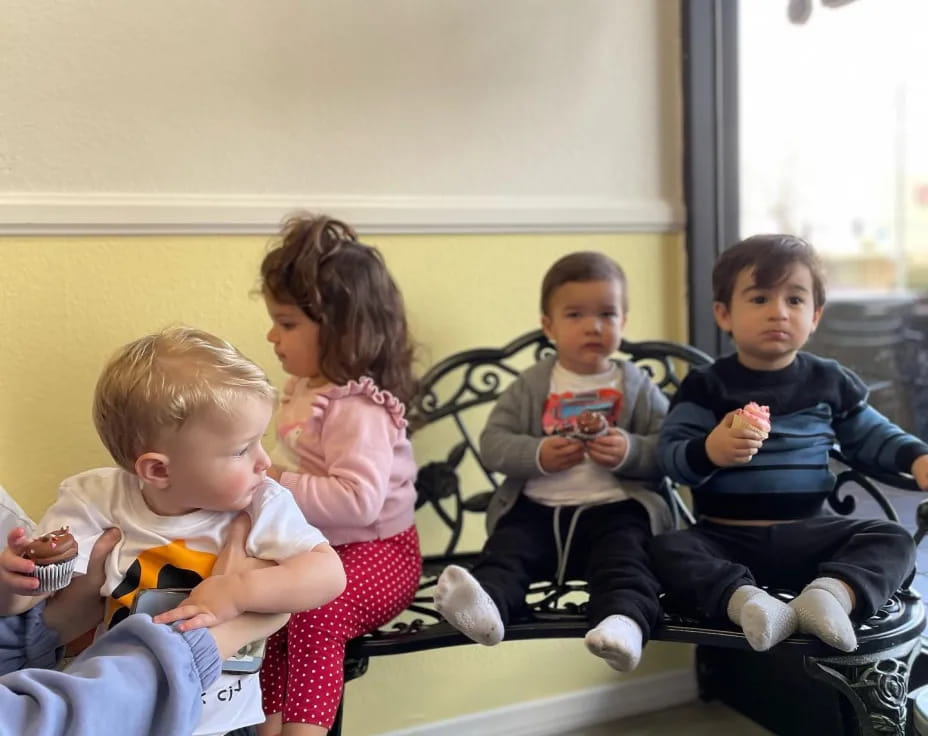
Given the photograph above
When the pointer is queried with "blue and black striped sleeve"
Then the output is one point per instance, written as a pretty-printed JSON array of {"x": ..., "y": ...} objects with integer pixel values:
[
  {"x": 681, "y": 449},
  {"x": 868, "y": 437}
]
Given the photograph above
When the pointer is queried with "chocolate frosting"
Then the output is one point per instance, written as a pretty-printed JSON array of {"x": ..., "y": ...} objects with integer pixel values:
[
  {"x": 56, "y": 546},
  {"x": 590, "y": 422}
]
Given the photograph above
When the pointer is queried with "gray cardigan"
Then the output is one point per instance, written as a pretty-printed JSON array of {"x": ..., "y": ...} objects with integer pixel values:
[{"x": 509, "y": 443}]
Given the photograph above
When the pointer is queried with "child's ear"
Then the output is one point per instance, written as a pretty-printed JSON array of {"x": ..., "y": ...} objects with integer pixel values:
[
  {"x": 152, "y": 468},
  {"x": 722, "y": 316},
  {"x": 816, "y": 316},
  {"x": 546, "y": 326}
]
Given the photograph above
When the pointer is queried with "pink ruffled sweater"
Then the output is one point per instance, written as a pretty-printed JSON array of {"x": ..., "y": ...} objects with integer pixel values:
[{"x": 351, "y": 460}]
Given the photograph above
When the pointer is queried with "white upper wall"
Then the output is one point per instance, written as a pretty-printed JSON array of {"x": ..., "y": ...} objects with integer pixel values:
[{"x": 220, "y": 115}]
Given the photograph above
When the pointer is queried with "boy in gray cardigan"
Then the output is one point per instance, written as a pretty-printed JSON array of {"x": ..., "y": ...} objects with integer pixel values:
[{"x": 575, "y": 435}]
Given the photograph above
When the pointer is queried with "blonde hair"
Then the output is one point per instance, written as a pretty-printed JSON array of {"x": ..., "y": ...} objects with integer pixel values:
[{"x": 158, "y": 382}]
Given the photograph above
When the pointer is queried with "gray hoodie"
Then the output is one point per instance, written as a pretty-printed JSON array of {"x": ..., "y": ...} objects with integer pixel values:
[{"x": 509, "y": 443}]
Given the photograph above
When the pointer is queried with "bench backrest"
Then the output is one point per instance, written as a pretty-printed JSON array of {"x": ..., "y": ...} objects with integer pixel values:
[{"x": 454, "y": 391}]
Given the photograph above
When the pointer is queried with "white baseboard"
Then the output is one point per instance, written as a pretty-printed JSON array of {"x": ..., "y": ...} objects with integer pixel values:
[{"x": 562, "y": 713}]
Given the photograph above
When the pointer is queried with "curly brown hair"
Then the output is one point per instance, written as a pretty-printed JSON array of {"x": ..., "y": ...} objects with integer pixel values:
[{"x": 344, "y": 286}]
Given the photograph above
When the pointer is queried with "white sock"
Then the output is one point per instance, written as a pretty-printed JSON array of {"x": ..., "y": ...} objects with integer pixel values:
[
  {"x": 823, "y": 608},
  {"x": 765, "y": 620},
  {"x": 467, "y": 607},
  {"x": 617, "y": 639}
]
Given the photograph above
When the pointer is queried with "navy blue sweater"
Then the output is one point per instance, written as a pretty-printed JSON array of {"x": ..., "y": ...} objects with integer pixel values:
[{"x": 814, "y": 404}]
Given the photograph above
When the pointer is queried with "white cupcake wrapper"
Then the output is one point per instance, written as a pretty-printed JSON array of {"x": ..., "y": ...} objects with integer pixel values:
[
  {"x": 583, "y": 436},
  {"x": 588, "y": 437},
  {"x": 739, "y": 422},
  {"x": 55, "y": 576}
]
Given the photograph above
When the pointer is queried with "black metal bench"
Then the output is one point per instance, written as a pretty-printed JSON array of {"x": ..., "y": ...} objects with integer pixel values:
[{"x": 873, "y": 680}]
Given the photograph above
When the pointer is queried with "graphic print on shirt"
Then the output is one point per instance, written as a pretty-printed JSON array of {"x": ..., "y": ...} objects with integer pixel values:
[
  {"x": 290, "y": 433},
  {"x": 561, "y": 410},
  {"x": 288, "y": 437},
  {"x": 172, "y": 565}
]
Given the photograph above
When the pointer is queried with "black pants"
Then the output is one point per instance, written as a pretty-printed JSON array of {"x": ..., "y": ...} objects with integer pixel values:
[
  {"x": 609, "y": 550},
  {"x": 702, "y": 566}
]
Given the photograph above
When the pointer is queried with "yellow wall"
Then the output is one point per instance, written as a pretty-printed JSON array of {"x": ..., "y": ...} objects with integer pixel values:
[{"x": 68, "y": 302}]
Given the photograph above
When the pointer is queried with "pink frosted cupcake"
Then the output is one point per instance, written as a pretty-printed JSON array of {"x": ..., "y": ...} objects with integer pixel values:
[
  {"x": 753, "y": 416},
  {"x": 55, "y": 555}
]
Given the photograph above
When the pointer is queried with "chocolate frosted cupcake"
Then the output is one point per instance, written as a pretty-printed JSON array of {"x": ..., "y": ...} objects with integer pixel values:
[
  {"x": 55, "y": 555},
  {"x": 590, "y": 425}
]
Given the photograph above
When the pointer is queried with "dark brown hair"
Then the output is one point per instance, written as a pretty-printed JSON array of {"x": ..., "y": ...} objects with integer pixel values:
[
  {"x": 343, "y": 286},
  {"x": 771, "y": 257},
  {"x": 582, "y": 266}
]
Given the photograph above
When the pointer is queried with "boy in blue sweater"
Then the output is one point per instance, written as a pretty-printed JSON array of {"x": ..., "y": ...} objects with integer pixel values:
[{"x": 759, "y": 499}]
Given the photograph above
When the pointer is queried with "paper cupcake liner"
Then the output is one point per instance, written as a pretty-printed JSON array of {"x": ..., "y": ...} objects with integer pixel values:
[
  {"x": 586, "y": 437},
  {"x": 574, "y": 434},
  {"x": 739, "y": 422},
  {"x": 55, "y": 576}
]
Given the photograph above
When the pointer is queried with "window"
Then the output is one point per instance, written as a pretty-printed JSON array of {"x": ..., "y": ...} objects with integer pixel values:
[{"x": 832, "y": 121}]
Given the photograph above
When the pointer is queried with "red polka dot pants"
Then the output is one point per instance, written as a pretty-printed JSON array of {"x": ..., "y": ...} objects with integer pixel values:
[{"x": 302, "y": 675}]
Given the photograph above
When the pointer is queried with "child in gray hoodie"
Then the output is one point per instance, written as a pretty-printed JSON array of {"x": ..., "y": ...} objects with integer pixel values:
[{"x": 575, "y": 435}]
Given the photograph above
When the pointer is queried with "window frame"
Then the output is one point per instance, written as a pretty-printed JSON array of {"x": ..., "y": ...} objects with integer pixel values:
[{"x": 709, "y": 31}]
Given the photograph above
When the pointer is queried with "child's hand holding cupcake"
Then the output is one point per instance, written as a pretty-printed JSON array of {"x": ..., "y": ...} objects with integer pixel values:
[
  {"x": 738, "y": 437},
  {"x": 16, "y": 572},
  {"x": 609, "y": 448},
  {"x": 40, "y": 565}
]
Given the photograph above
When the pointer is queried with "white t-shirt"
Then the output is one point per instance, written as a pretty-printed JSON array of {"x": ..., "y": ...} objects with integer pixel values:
[
  {"x": 176, "y": 551},
  {"x": 588, "y": 481}
]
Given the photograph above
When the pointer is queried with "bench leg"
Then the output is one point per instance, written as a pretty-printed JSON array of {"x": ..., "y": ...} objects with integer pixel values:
[
  {"x": 336, "y": 729},
  {"x": 876, "y": 686}
]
